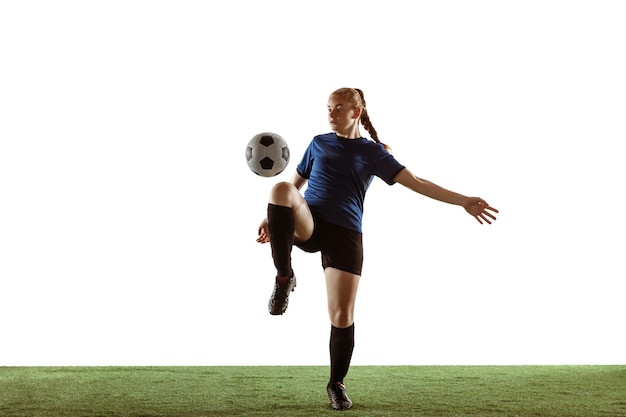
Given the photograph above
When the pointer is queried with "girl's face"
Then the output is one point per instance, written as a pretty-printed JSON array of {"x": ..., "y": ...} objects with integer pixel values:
[{"x": 342, "y": 116}]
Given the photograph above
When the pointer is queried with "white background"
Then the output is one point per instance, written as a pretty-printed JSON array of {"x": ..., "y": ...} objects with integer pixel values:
[{"x": 128, "y": 216}]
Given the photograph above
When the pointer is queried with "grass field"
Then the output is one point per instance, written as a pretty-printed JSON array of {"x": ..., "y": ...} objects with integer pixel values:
[{"x": 432, "y": 391}]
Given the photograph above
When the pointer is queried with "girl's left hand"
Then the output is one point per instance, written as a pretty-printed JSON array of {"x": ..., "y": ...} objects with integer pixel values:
[{"x": 479, "y": 208}]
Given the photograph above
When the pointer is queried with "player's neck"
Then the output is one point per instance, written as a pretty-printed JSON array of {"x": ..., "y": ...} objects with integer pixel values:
[{"x": 350, "y": 134}]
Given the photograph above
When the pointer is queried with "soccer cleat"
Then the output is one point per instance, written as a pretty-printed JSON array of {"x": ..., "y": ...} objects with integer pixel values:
[
  {"x": 337, "y": 395},
  {"x": 280, "y": 297}
]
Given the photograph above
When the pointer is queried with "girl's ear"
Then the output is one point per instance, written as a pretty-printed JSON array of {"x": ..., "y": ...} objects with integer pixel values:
[{"x": 357, "y": 112}]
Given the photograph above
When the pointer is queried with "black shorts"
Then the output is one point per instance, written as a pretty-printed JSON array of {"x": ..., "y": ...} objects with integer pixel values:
[{"x": 341, "y": 248}]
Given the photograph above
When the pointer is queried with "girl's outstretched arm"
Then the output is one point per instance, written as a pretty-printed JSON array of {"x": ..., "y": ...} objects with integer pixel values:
[{"x": 475, "y": 206}]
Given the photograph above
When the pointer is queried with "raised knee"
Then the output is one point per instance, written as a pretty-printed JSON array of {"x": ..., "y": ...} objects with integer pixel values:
[{"x": 282, "y": 193}]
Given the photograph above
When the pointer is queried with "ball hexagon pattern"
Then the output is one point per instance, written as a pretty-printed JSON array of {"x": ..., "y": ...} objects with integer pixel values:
[{"x": 267, "y": 154}]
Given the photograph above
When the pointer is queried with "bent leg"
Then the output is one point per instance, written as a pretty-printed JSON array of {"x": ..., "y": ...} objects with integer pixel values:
[
  {"x": 280, "y": 227},
  {"x": 287, "y": 195},
  {"x": 288, "y": 218}
]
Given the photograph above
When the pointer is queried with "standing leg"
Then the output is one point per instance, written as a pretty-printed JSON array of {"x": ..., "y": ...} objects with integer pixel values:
[{"x": 341, "y": 289}]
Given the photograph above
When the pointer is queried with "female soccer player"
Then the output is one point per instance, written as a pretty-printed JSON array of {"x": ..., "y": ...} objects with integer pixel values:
[{"x": 339, "y": 168}]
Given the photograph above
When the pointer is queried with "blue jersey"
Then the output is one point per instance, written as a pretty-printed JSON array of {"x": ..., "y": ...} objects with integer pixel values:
[{"x": 339, "y": 172}]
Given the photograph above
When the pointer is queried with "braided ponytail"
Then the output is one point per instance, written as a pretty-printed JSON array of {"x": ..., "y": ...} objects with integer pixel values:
[{"x": 357, "y": 98}]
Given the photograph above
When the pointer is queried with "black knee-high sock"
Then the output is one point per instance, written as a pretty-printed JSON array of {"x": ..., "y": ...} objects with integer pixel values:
[
  {"x": 341, "y": 347},
  {"x": 281, "y": 225}
]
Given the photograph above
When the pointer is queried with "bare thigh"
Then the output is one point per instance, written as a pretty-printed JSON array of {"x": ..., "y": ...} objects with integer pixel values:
[{"x": 341, "y": 289}]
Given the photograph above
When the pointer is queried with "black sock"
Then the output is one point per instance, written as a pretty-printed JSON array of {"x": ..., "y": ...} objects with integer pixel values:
[
  {"x": 281, "y": 225},
  {"x": 341, "y": 347}
]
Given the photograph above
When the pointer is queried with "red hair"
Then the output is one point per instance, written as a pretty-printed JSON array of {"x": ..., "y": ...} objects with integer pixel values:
[{"x": 357, "y": 99}]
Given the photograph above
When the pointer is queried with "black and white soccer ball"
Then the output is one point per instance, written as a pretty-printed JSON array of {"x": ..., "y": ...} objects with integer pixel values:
[{"x": 267, "y": 154}]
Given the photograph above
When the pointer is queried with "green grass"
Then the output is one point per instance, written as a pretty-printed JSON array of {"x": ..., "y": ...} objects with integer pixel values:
[{"x": 429, "y": 391}]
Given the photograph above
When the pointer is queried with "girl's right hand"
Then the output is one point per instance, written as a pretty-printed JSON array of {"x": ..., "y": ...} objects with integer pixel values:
[{"x": 264, "y": 236}]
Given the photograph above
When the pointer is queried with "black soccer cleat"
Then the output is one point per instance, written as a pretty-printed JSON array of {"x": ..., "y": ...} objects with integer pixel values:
[
  {"x": 280, "y": 297},
  {"x": 337, "y": 395}
]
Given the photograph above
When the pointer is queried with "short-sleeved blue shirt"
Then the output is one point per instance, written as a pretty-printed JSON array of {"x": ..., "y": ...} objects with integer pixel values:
[{"x": 339, "y": 172}]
